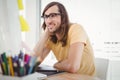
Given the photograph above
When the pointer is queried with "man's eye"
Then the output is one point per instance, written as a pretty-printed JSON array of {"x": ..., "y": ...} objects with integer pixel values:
[
  {"x": 45, "y": 16},
  {"x": 52, "y": 15}
]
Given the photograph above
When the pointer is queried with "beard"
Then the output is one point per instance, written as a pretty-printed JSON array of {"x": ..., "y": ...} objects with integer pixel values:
[{"x": 58, "y": 30}]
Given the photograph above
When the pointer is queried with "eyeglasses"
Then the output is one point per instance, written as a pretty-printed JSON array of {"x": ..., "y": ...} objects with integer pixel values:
[{"x": 51, "y": 15}]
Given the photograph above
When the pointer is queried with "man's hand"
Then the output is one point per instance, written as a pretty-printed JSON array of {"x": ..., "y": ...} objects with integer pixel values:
[{"x": 48, "y": 32}]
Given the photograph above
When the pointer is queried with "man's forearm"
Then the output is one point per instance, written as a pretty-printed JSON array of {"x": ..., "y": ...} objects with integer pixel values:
[
  {"x": 68, "y": 65},
  {"x": 39, "y": 48},
  {"x": 59, "y": 65},
  {"x": 64, "y": 66}
]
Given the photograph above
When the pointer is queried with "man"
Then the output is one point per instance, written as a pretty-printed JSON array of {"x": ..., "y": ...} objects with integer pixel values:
[{"x": 68, "y": 42}]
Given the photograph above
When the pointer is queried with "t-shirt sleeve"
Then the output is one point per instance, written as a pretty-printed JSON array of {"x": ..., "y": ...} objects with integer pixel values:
[
  {"x": 77, "y": 34},
  {"x": 48, "y": 44}
]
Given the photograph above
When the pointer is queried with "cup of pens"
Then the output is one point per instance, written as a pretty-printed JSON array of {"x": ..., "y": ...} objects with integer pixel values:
[{"x": 18, "y": 65}]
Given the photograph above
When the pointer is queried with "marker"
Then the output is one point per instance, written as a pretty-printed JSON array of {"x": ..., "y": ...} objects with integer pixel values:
[
  {"x": 10, "y": 66},
  {"x": 21, "y": 67},
  {"x": 21, "y": 55},
  {"x": 28, "y": 59},
  {"x": 3, "y": 68},
  {"x": 35, "y": 66},
  {"x": 1, "y": 65},
  {"x": 27, "y": 67},
  {"x": 32, "y": 63},
  {"x": 16, "y": 68},
  {"x": 26, "y": 56},
  {"x": 4, "y": 59}
]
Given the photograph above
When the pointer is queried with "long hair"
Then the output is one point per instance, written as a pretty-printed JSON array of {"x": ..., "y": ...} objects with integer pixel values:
[{"x": 64, "y": 27}]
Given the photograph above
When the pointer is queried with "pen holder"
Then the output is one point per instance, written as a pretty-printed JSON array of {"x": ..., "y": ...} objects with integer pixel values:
[{"x": 33, "y": 76}]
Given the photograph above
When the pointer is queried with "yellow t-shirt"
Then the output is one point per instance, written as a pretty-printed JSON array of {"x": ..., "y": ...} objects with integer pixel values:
[{"x": 76, "y": 34}]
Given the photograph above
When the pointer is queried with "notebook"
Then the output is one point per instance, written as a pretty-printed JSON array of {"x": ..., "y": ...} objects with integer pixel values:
[{"x": 48, "y": 70}]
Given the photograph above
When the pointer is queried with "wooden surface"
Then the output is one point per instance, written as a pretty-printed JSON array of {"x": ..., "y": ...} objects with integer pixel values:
[
  {"x": 60, "y": 76},
  {"x": 70, "y": 76}
]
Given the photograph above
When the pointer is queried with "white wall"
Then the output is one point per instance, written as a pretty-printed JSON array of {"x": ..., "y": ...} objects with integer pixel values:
[
  {"x": 10, "y": 32},
  {"x": 101, "y": 20},
  {"x": 31, "y": 16}
]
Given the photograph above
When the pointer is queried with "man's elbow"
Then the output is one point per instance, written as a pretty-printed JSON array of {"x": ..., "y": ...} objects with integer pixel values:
[{"x": 73, "y": 69}]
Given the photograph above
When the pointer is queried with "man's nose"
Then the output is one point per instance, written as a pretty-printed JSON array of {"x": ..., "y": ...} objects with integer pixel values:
[{"x": 48, "y": 20}]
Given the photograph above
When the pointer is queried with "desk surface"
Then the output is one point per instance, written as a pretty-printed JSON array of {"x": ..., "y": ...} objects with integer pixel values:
[
  {"x": 69, "y": 76},
  {"x": 60, "y": 76}
]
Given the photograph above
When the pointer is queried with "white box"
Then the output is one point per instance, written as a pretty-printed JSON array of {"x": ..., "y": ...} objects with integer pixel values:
[{"x": 34, "y": 76}]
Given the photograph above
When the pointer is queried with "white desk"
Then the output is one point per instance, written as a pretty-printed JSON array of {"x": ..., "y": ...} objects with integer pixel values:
[{"x": 70, "y": 76}]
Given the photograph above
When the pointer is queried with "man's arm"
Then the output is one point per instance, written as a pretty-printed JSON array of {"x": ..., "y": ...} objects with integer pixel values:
[
  {"x": 40, "y": 49},
  {"x": 72, "y": 63}
]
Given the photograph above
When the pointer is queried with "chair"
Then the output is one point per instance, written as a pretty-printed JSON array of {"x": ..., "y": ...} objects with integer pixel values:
[{"x": 101, "y": 68}]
